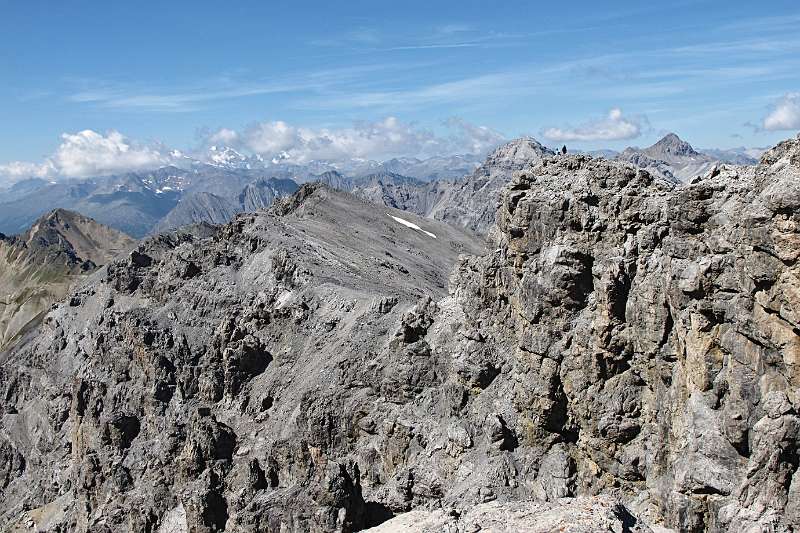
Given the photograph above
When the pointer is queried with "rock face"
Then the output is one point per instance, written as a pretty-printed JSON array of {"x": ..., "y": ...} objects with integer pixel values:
[
  {"x": 670, "y": 158},
  {"x": 263, "y": 193},
  {"x": 472, "y": 202},
  {"x": 198, "y": 207},
  {"x": 38, "y": 267},
  {"x": 625, "y": 353}
]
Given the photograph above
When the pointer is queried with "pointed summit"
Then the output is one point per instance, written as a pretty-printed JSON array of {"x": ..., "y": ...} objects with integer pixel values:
[
  {"x": 39, "y": 266},
  {"x": 670, "y": 145},
  {"x": 87, "y": 238},
  {"x": 671, "y": 158}
]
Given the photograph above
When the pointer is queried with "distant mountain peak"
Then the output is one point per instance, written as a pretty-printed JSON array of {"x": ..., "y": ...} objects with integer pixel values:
[
  {"x": 671, "y": 144},
  {"x": 522, "y": 143},
  {"x": 518, "y": 153},
  {"x": 89, "y": 239},
  {"x": 227, "y": 157}
]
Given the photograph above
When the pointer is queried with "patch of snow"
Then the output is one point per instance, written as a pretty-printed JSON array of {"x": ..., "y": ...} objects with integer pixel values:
[
  {"x": 411, "y": 225},
  {"x": 283, "y": 299}
]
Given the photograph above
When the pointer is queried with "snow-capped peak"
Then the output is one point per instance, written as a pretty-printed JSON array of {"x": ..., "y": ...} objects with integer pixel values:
[{"x": 227, "y": 157}]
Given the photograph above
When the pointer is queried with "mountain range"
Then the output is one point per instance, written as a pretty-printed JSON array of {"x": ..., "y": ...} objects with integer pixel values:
[
  {"x": 619, "y": 353},
  {"x": 442, "y": 188}
]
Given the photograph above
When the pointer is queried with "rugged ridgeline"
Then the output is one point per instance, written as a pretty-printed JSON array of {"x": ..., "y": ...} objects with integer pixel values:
[
  {"x": 38, "y": 267},
  {"x": 626, "y": 353},
  {"x": 389, "y": 189}
]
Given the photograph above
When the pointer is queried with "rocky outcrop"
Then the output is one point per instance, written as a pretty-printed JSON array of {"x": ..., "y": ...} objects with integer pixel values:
[
  {"x": 38, "y": 267},
  {"x": 566, "y": 515},
  {"x": 653, "y": 335},
  {"x": 623, "y": 356}
]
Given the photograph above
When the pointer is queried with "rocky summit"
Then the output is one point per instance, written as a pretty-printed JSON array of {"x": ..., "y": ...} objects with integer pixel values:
[{"x": 621, "y": 355}]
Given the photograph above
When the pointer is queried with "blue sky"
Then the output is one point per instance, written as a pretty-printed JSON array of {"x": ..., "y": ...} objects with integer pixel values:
[{"x": 590, "y": 74}]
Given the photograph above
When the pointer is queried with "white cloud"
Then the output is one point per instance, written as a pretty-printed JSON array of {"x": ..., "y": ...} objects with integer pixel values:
[
  {"x": 785, "y": 115},
  {"x": 268, "y": 138},
  {"x": 614, "y": 127},
  {"x": 225, "y": 137},
  {"x": 379, "y": 140},
  {"x": 88, "y": 153},
  {"x": 18, "y": 170}
]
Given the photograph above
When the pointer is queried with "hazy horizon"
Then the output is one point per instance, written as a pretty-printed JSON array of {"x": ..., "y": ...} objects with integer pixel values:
[{"x": 93, "y": 87}]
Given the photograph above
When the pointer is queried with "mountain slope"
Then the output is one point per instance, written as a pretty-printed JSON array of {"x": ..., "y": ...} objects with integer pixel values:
[
  {"x": 126, "y": 203},
  {"x": 626, "y": 348},
  {"x": 204, "y": 207},
  {"x": 38, "y": 267},
  {"x": 469, "y": 202},
  {"x": 387, "y": 188},
  {"x": 198, "y": 207},
  {"x": 330, "y": 272},
  {"x": 263, "y": 193},
  {"x": 133, "y": 203}
]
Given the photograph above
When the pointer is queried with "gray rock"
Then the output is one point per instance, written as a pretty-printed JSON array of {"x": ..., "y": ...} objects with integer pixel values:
[
  {"x": 578, "y": 515},
  {"x": 625, "y": 343}
]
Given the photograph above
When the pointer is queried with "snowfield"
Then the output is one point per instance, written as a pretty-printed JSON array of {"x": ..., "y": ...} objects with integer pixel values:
[{"x": 411, "y": 225}]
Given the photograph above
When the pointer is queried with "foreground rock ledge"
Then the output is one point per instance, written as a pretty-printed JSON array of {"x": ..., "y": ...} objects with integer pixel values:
[
  {"x": 622, "y": 337},
  {"x": 566, "y": 515}
]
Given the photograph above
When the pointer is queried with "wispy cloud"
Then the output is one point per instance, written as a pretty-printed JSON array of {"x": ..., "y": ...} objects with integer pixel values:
[
  {"x": 453, "y": 28},
  {"x": 763, "y": 24},
  {"x": 190, "y": 98},
  {"x": 447, "y": 36}
]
